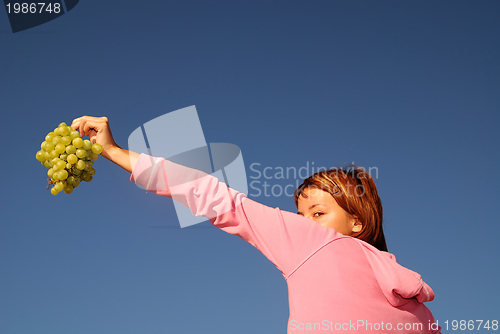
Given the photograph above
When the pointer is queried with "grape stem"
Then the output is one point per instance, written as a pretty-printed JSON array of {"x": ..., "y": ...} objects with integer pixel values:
[{"x": 49, "y": 183}]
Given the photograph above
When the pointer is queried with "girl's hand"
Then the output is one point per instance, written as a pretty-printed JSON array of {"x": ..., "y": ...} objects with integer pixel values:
[{"x": 97, "y": 129}]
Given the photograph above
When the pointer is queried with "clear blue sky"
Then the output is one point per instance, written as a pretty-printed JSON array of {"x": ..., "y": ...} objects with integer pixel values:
[{"x": 410, "y": 88}]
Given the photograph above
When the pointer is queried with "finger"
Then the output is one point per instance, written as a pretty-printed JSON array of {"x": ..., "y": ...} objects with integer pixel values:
[
  {"x": 81, "y": 126},
  {"x": 77, "y": 119},
  {"x": 76, "y": 124},
  {"x": 92, "y": 134},
  {"x": 88, "y": 124},
  {"x": 93, "y": 126},
  {"x": 90, "y": 127}
]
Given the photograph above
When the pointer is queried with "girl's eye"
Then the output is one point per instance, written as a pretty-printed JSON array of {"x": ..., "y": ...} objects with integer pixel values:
[{"x": 317, "y": 214}]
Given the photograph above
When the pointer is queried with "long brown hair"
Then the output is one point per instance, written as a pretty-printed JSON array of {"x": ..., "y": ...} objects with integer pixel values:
[{"x": 355, "y": 192}]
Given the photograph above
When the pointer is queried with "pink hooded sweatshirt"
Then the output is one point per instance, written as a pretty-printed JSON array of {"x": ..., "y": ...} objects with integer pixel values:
[{"x": 335, "y": 282}]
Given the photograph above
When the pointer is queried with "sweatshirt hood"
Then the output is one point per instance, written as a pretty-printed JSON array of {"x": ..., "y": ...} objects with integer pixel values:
[{"x": 399, "y": 284}]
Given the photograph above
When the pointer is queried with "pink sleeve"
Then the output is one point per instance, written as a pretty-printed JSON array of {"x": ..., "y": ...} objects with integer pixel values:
[{"x": 285, "y": 238}]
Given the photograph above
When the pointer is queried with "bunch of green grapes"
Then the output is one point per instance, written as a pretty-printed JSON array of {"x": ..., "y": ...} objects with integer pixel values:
[{"x": 69, "y": 159}]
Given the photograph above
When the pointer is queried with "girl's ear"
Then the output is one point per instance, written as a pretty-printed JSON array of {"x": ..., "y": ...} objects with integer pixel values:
[{"x": 357, "y": 225}]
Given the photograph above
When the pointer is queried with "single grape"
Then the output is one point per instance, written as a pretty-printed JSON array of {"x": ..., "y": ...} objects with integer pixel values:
[
  {"x": 97, "y": 148},
  {"x": 56, "y": 140},
  {"x": 54, "y": 191},
  {"x": 63, "y": 156},
  {"x": 80, "y": 165},
  {"x": 85, "y": 177},
  {"x": 74, "y": 134},
  {"x": 48, "y": 147},
  {"x": 72, "y": 159},
  {"x": 59, "y": 186},
  {"x": 70, "y": 149},
  {"x": 71, "y": 180},
  {"x": 40, "y": 156},
  {"x": 60, "y": 148},
  {"x": 60, "y": 165},
  {"x": 91, "y": 171},
  {"x": 56, "y": 131},
  {"x": 64, "y": 130},
  {"x": 76, "y": 171},
  {"x": 50, "y": 172},
  {"x": 68, "y": 166},
  {"x": 46, "y": 155},
  {"x": 88, "y": 165},
  {"x": 66, "y": 140},
  {"x": 62, "y": 124},
  {"x": 87, "y": 145},
  {"x": 68, "y": 189},
  {"x": 47, "y": 164},
  {"x": 94, "y": 156},
  {"x": 76, "y": 182},
  {"x": 53, "y": 154},
  {"x": 49, "y": 136},
  {"x": 62, "y": 174},
  {"x": 78, "y": 142},
  {"x": 81, "y": 153}
]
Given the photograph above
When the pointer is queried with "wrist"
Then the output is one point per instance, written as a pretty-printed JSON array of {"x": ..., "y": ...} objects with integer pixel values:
[
  {"x": 121, "y": 157},
  {"x": 111, "y": 151}
]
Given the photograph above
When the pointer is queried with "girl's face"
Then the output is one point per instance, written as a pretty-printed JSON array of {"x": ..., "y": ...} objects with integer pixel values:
[{"x": 321, "y": 207}]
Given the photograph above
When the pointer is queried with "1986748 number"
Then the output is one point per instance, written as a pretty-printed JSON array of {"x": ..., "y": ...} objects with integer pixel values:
[
  {"x": 34, "y": 8},
  {"x": 471, "y": 325}
]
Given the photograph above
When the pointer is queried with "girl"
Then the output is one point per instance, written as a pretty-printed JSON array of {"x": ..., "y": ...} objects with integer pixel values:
[{"x": 332, "y": 253}]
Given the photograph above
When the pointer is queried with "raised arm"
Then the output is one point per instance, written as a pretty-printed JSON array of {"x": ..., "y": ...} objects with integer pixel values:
[
  {"x": 98, "y": 130},
  {"x": 285, "y": 238}
]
